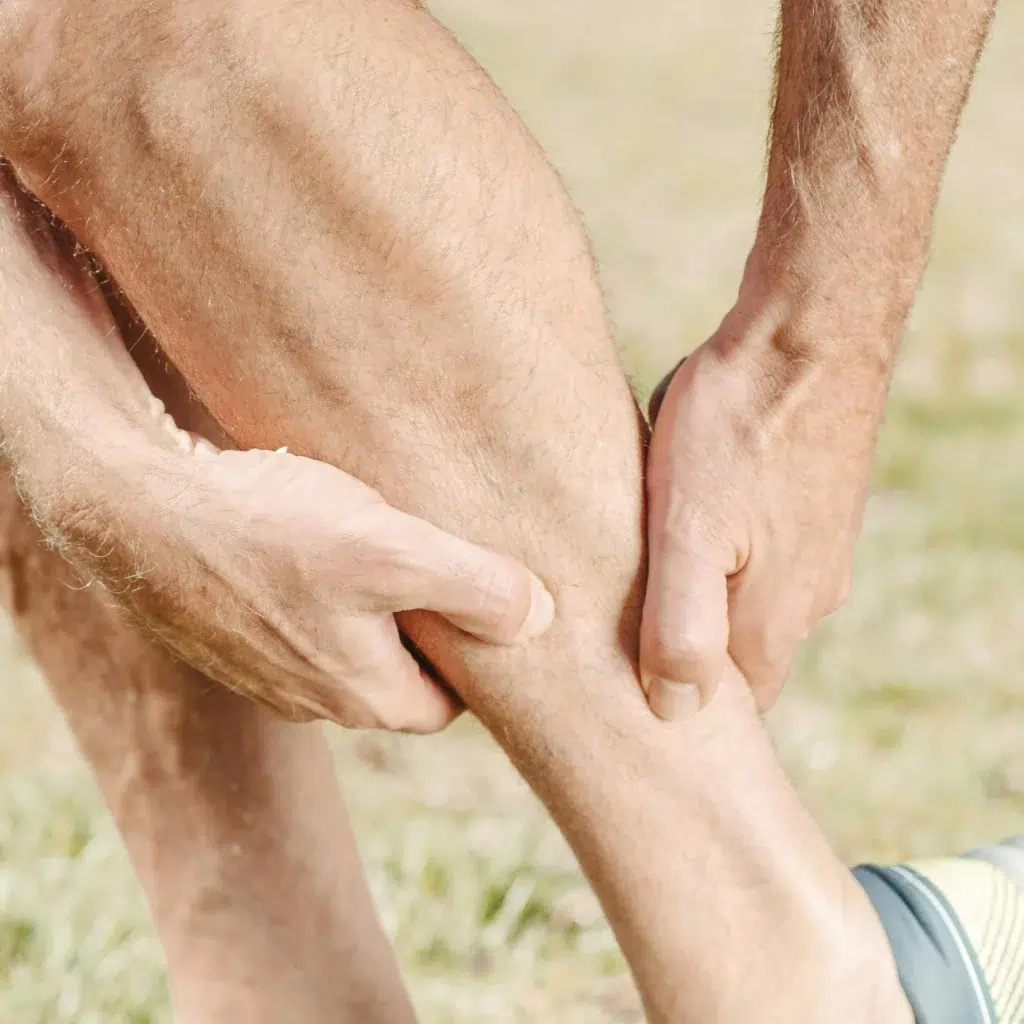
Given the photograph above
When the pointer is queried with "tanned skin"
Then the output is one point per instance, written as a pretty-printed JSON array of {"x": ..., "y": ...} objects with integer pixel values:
[
  {"x": 402, "y": 289},
  {"x": 237, "y": 607},
  {"x": 765, "y": 437},
  {"x": 231, "y": 815}
]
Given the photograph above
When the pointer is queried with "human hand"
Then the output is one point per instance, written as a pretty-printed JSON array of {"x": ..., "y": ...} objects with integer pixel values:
[
  {"x": 280, "y": 576},
  {"x": 758, "y": 474},
  {"x": 277, "y": 575}
]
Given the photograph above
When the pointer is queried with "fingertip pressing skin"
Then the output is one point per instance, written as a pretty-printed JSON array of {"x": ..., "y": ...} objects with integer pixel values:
[{"x": 540, "y": 615}]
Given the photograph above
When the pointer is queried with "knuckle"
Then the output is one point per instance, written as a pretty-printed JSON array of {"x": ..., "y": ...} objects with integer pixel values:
[
  {"x": 495, "y": 595},
  {"x": 385, "y": 572},
  {"x": 383, "y": 711},
  {"x": 699, "y": 533},
  {"x": 681, "y": 656},
  {"x": 499, "y": 591},
  {"x": 482, "y": 607},
  {"x": 326, "y": 703}
]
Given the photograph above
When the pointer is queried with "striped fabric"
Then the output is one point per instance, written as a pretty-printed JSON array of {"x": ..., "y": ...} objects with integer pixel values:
[
  {"x": 990, "y": 905},
  {"x": 956, "y": 926}
]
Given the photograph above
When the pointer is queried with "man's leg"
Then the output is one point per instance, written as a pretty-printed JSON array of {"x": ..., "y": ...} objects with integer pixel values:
[
  {"x": 350, "y": 245},
  {"x": 404, "y": 290},
  {"x": 232, "y": 817}
]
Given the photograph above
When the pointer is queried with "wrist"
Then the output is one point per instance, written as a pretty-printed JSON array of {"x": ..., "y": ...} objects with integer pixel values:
[
  {"x": 801, "y": 302},
  {"x": 860, "y": 251}
]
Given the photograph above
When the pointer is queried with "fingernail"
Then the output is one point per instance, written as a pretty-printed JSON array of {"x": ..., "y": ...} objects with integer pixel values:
[
  {"x": 541, "y": 614},
  {"x": 671, "y": 701}
]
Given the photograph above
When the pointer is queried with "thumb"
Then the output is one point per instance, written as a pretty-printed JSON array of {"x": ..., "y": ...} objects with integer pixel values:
[
  {"x": 684, "y": 636},
  {"x": 492, "y": 596}
]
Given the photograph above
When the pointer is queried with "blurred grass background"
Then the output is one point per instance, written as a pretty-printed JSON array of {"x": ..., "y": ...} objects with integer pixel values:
[{"x": 903, "y": 724}]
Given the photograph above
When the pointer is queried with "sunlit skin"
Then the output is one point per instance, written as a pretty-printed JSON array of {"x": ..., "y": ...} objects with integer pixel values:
[{"x": 403, "y": 291}]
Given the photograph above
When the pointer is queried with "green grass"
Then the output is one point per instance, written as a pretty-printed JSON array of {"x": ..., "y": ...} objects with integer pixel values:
[{"x": 903, "y": 723}]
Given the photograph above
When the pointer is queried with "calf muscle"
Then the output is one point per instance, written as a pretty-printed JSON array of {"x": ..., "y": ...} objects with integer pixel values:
[{"x": 402, "y": 288}]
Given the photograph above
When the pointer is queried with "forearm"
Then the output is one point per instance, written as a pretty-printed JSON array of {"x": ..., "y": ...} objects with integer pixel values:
[
  {"x": 868, "y": 99},
  {"x": 257, "y": 896},
  {"x": 68, "y": 393}
]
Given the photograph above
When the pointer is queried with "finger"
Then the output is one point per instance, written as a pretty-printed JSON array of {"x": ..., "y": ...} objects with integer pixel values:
[
  {"x": 684, "y": 634},
  {"x": 386, "y": 688},
  {"x": 494, "y": 597},
  {"x": 765, "y": 673},
  {"x": 764, "y": 649},
  {"x": 839, "y": 595},
  {"x": 658, "y": 394}
]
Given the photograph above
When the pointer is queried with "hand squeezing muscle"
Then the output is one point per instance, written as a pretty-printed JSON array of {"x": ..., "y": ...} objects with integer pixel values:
[{"x": 275, "y": 574}]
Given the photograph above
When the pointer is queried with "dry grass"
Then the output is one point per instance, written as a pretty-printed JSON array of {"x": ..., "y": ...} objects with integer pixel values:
[{"x": 901, "y": 723}]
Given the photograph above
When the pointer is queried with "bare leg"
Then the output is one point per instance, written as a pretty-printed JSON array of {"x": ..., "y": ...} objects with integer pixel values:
[
  {"x": 401, "y": 287},
  {"x": 232, "y": 817}
]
